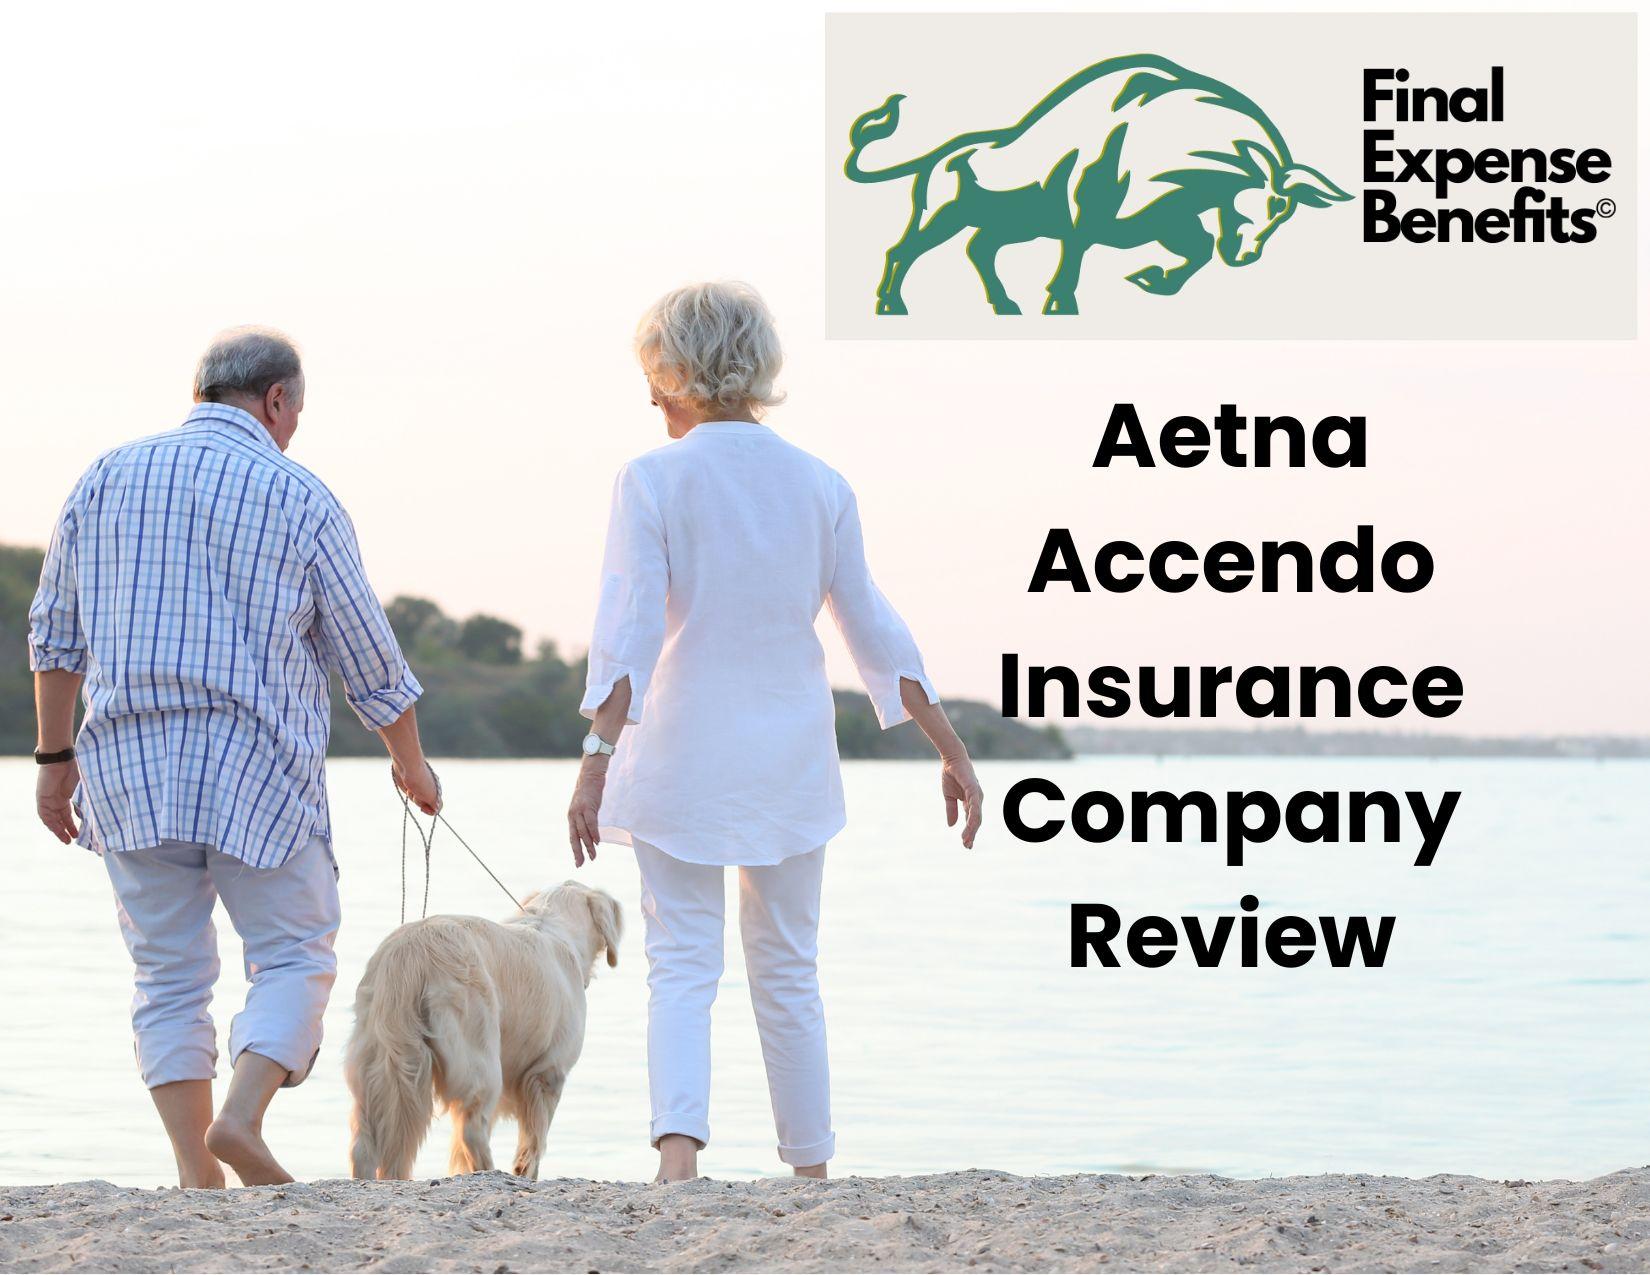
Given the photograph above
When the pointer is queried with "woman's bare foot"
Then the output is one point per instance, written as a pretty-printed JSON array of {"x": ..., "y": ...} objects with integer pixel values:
[
  {"x": 809, "y": 1171},
  {"x": 242, "y": 1148},
  {"x": 678, "y": 1158}
]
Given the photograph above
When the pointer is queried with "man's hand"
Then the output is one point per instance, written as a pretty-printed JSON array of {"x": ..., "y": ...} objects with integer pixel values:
[
  {"x": 54, "y": 796},
  {"x": 958, "y": 785},
  {"x": 412, "y": 773},
  {"x": 584, "y": 812},
  {"x": 418, "y": 781}
]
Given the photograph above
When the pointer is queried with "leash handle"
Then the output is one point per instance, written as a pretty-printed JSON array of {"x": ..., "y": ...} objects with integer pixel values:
[{"x": 426, "y": 840}]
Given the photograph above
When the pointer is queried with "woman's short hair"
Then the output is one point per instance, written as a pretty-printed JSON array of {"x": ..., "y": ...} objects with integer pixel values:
[{"x": 711, "y": 343}]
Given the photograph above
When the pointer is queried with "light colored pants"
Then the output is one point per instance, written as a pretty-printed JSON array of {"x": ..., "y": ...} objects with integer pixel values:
[
  {"x": 682, "y": 905},
  {"x": 287, "y": 918}
]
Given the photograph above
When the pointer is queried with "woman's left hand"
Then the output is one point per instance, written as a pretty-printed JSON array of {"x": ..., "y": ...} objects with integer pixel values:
[
  {"x": 584, "y": 813},
  {"x": 960, "y": 788}
]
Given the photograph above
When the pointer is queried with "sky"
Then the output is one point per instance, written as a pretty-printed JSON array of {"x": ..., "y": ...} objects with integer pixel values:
[{"x": 460, "y": 214}]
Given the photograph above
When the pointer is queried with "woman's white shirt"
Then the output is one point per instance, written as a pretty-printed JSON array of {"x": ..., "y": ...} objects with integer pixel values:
[{"x": 722, "y": 548}]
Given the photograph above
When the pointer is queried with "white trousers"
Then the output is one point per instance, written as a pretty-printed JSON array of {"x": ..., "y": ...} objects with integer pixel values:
[
  {"x": 287, "y": 918},
  {"x": 682, "y": 905}
]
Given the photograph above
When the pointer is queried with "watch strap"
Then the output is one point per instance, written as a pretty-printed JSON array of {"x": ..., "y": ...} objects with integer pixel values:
[{"x": 51, "y": 759}]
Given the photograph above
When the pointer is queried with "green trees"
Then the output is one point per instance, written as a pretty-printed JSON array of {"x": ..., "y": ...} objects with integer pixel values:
[
  {"x": 483, "y": 696},
  {"x": 489, "y": 640}
]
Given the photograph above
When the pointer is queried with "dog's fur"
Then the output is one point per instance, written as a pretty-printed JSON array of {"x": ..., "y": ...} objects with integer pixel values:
[{"x": 487, "y": 1018}]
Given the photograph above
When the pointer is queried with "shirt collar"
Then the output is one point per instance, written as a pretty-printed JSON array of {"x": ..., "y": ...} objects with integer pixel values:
[
  {"x": 728, "y": 427},
  {"x": 208, "y": 415}
]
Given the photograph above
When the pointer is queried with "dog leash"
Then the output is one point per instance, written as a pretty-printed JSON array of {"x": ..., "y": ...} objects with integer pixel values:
[{"x": 427, "y": 840}]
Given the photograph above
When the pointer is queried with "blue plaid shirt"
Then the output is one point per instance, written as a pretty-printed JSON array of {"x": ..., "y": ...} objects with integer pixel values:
[{"x": 205, "y": 585}]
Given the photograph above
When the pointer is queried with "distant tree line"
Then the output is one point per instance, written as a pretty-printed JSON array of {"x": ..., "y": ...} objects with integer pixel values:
[{"x": 484, "y": 696}]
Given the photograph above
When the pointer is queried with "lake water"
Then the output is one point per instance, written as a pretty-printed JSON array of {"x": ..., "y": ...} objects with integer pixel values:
[{"x": 1508, "y": 1035}]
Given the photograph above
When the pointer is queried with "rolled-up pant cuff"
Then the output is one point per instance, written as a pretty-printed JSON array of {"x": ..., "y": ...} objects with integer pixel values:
[
  {"x": 177, "y": 1064},
  {"x": 695, "y": 1127},
  {"x": 802, "y": 1157},
  {"x": 292, "y": 1056}
]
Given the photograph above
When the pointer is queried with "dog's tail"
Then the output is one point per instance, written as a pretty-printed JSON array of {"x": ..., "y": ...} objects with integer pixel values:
[{"x": 389, "y": 1064}]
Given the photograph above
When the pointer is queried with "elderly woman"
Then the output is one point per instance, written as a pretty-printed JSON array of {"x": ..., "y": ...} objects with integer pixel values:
[{"x": 722, "y": 548}]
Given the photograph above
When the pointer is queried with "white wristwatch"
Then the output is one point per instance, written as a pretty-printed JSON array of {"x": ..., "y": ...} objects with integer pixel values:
[{"x": 594, "y": 745}]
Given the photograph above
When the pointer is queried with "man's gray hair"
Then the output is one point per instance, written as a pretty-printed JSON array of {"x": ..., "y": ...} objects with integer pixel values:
[{"x": 248, "y": 361}]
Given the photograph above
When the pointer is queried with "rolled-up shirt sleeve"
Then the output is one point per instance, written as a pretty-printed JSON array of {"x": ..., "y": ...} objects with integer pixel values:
[
  {"x": 882, "y": 647},
  {"x": 55, "y": 637},
  {"x": 353, "y": 633},
  {"x": 630, "y": 617}
]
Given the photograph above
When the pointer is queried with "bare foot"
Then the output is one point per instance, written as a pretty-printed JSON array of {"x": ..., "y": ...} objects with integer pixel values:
[
  {"x": 242, "y": 1148},
  {"x": 678, "y": 1158},
  {"x": 204, "y": 1174},
  {"x": 809, "y": 1171}
]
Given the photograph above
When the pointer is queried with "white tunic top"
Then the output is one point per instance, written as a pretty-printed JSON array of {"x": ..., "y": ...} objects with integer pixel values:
[{"x": 721, "y": 550}]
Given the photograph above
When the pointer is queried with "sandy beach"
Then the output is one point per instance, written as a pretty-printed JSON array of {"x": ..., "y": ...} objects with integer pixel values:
[{"x": 975, "y": 1220}]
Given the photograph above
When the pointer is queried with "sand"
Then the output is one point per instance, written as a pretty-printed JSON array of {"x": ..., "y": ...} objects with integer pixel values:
[{"x": 956, "y": 1221}]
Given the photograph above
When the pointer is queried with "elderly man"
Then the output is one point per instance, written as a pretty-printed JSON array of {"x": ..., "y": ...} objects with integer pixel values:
[{"x": 202, "y": 586}]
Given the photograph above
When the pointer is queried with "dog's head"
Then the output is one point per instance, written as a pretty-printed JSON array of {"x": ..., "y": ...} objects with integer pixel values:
[{"x": 586, "y": 912}]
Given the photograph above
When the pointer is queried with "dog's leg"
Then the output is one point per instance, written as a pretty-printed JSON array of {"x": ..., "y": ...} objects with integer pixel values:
[
  {"x": 471, "y": 1097},
  {"x": 472, "y": 1150},
  {"x": 391, "y": 1109},
  {"x": 363, "y": 1155},
  {"x": 464, "y": 1035},
  {"x": 536, "y": 1108}
]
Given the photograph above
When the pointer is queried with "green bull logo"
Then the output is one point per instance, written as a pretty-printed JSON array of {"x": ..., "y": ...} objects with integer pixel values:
[{"x": 1128, "y": 152}]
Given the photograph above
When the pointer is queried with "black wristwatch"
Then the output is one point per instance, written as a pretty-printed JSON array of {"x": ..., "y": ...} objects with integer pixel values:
[{"x": 51, "y": 759}]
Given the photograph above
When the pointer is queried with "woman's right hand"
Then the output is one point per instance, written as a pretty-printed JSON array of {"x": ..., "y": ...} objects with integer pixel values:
[{"x": 960, "y": 786}]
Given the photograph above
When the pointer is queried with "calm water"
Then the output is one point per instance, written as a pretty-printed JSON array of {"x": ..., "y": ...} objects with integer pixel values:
[{"x": 1509, "y": 1034}]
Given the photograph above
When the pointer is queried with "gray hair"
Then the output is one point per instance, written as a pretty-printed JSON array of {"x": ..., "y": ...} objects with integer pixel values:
[
  {"x": 248, "y": 361},
  {"x": 711, "y": 343}
]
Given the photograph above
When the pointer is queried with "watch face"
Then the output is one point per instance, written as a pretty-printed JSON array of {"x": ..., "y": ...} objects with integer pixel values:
[{"x": 591, "y": 744}]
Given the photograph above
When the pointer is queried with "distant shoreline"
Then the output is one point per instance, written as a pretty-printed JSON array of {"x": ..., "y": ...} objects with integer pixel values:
[{"x": 1296, "y": 742}]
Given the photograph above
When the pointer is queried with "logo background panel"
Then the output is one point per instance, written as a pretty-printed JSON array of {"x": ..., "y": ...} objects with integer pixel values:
[{"x": 1569, "y": 82}]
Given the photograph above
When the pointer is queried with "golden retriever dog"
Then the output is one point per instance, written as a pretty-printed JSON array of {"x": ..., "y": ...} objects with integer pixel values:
[{"x": 486, "y": 1018}]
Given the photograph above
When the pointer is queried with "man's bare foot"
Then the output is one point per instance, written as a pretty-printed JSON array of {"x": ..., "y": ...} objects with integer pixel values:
[
  {"x": 809, "y": 1171},
  {"x": 203, "y": 1174},
  {"x": 236, "y": 1136},
  {"x": 185, "y": 1108},
  {"x": 242, "y": 1148}
]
